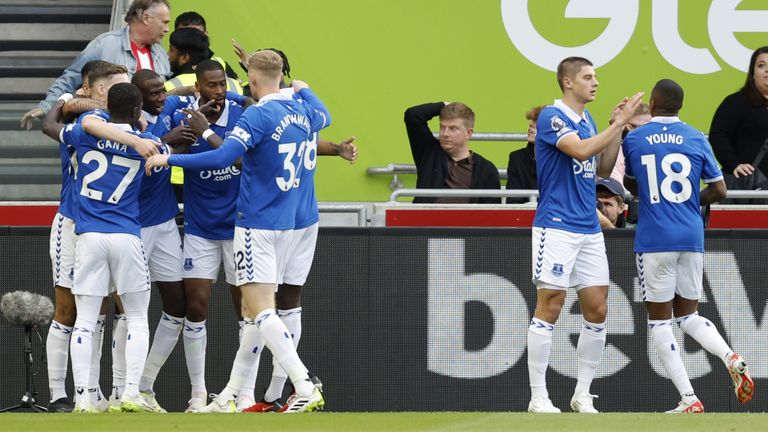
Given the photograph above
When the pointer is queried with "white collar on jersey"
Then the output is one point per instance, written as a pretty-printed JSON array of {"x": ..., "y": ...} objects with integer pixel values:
[
  {"x": 666, "y": 119},
  {"x": 569, "y": 112},
  {"x": 222, "y": 120},
  {"x": 149, "y": 117},
  {"x": 123, "y": 127},
  {"x": 282, "y": 95}
]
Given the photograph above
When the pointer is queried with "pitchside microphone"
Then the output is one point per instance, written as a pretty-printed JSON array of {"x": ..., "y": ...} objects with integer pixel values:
[{"x": 26, "y": 309}]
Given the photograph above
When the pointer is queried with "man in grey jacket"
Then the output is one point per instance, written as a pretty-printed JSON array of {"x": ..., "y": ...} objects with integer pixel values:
[{"x": 136, "y": 46}]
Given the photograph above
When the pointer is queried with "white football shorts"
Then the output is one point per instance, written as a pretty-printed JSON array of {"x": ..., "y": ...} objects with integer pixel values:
[
  {"x": 666, "y": 274},
  {"x": 300, "y": 255},
  {"x": 162, "y": 244},
  {"x": 62, "y": 250},
  {"x": 115, "y": 259},
  {"x": 203, "y": 257},
  {"x": 260, "y": 255},
  {"x": 562, "y": 259}
]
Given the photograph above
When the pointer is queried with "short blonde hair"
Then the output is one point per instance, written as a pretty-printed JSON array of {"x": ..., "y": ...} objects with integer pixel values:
[
  {"x": 458, "y": 110},
  {"x": 266, "y": 62}
]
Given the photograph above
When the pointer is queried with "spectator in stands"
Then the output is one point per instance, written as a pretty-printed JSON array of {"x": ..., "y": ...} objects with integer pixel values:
[
  {"x": 196, "y": 21},
  {"x": 447, "y": 162},
  {"x": 641, "y": 117},
  {"x": 521, "y": 168},
  {"x": 137, "y": 46},
  {"x": 188, "y": 47},
  {"x": 740, "y": 124},
  {"x": 611, "y": 207}
]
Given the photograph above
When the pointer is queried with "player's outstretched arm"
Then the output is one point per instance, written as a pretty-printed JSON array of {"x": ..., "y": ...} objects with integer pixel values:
[
  {"x": 224, "y": 156},
  {"x": 582, "y": 150},
  {"x": 99, "y": 128},
  {"x": 713, "y": 193},
  {"x": 345, "y": 149}
]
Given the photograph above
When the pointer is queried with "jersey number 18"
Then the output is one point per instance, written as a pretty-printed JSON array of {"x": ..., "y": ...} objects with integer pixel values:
[{"x": 670, "y": 177}]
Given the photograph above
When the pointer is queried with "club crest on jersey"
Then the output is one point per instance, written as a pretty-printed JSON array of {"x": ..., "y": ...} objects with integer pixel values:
[
  {"x": 167, "y": 122},
  {"x": 557, "y": 270},
  {"x": 188, "y": 264}
]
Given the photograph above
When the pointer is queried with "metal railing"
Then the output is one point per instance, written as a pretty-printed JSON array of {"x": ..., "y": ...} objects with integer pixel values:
[
  {"x": 408, "y": 169},
  {"x": 495, "y": 136},
  {"x": 361, "y": 210},
  {"x": 119, "y": 8},
  {"x": 532, "y": 194}
]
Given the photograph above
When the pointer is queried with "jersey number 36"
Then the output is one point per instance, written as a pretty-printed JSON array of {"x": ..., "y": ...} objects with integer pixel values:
[{"x": 307, "y": 156}]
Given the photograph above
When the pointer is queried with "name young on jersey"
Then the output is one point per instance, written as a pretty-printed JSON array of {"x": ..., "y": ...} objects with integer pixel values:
[{"x": 665, "y": 138}]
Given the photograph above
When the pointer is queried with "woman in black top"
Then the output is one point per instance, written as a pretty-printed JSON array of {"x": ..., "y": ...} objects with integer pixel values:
[{"x": 740, "y": 124}]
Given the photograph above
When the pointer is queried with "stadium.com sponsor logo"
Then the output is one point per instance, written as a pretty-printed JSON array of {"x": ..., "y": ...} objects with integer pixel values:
[{"x": 220, "y": 174}]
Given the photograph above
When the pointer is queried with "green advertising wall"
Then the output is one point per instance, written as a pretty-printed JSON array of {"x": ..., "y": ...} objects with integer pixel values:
[{"x": 370, "y": 60}]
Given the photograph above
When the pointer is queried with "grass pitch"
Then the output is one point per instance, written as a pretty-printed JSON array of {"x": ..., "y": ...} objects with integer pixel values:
[{"x": 371, "y": 422}]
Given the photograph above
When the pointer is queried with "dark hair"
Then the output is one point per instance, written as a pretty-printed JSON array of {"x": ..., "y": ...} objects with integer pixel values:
[
  {"x": 138, "y": 7},
  {"x": 750, "y": 89},
  {"x": 191, "y": 42},
  {"x": 569, "y": 67},
  {"x": 123, "y": 99},
  {"x": 105, "y": 70},
  {"x": 190, "y": 18},
  {"x": 208, "y": 65},
  {"x": 286, "y": 66},
  {"x": 667, "y": 96},
  {"x": 144, "y": 75},
  {"x": 89, "y": 67}
]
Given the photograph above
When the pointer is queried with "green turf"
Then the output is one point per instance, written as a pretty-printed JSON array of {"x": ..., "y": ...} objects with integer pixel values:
[{"x": 370, "y": 422}]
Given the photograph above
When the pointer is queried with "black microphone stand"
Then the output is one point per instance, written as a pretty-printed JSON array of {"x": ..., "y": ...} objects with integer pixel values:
[{"x": 28, "y": 400}]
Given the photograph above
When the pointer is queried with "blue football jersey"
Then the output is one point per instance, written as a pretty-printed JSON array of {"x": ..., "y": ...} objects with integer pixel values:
[
  {"x": 210, "y": 196},
  {"x": 277, "y": 134},
  {"x": 668, "y": 158},
  {"x": 157, "y": 200},
  {"x": 68, "y": 203},
  {"x": 567, "y": 197},
  {"x": 162, "y": 123},
  {"x": 307, "y": 212},
  {"x": 108, "y": 182}
]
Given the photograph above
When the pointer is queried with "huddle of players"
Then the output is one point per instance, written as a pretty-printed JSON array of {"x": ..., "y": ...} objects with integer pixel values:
[
  {"x": 263, "y": 228},
  {"x": 665, "y": 161}
]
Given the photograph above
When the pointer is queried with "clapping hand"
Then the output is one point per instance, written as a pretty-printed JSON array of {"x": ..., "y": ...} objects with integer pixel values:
[{"x": 347, "y": 150}]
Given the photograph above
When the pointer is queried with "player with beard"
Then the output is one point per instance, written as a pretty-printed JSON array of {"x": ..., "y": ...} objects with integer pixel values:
[{"x": 210, "y": 198}]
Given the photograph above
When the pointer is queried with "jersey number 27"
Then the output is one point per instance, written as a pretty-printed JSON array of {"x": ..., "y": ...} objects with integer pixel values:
[{"x": 101, "y": 169}]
